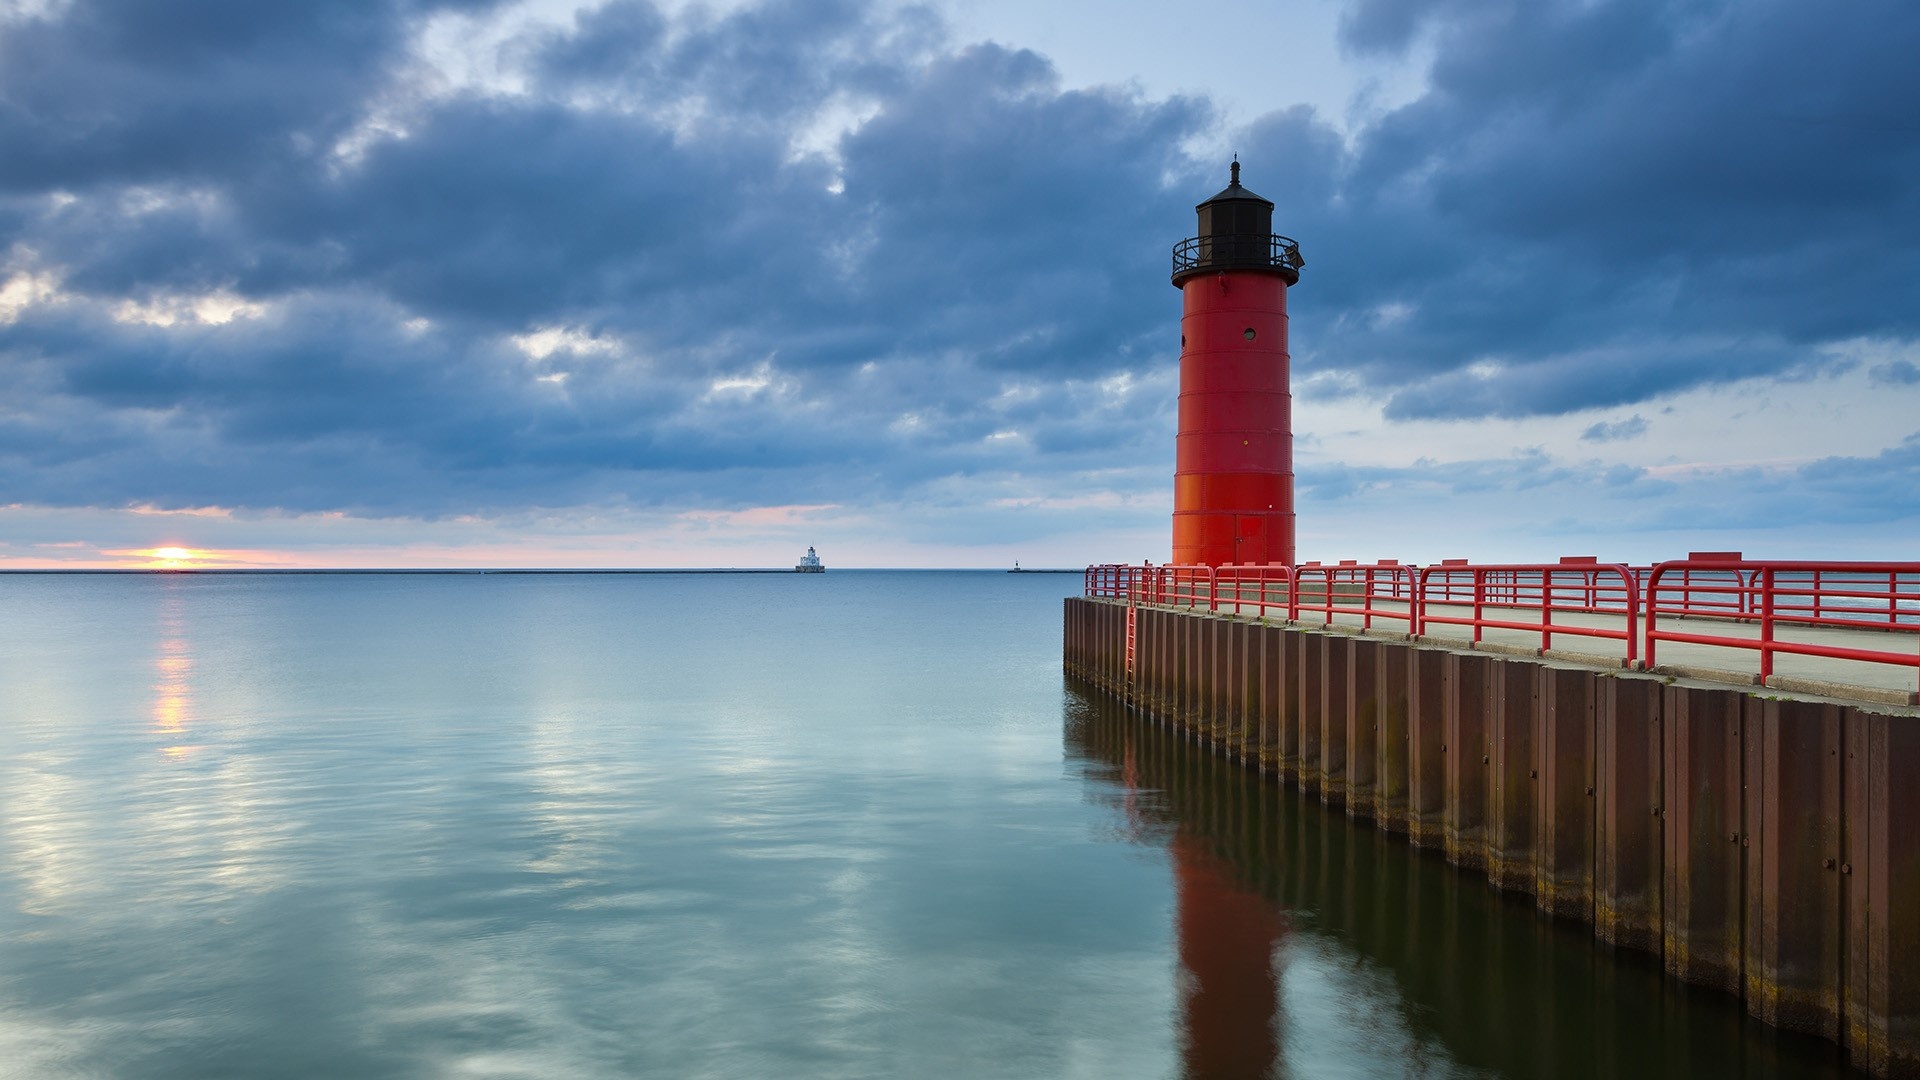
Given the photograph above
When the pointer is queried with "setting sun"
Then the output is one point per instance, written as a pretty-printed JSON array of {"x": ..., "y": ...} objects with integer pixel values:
[
  {"x": 172, "y": 557},
  {"x": 175, "y": 557}
]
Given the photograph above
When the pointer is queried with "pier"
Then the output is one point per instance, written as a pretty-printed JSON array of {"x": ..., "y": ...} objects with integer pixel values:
[{"x": 1712, "y": 761}]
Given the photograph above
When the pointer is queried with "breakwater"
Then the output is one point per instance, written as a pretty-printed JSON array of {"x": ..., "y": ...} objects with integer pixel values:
[{"x": 1766, "y": 846}]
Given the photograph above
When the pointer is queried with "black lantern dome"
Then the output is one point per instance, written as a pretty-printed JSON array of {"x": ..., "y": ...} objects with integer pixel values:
[{"x": 1236, "y": 233}]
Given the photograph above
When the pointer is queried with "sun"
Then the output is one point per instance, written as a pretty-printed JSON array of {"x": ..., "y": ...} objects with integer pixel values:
[{"x": 172, "y": 558}]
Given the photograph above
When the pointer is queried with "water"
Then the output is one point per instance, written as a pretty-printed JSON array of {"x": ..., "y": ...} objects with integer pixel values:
[{"x": 591, "y": 826}]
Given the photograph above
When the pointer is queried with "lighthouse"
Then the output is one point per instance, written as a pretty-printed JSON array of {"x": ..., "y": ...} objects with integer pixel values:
[{"x": 1233, "y": 461}]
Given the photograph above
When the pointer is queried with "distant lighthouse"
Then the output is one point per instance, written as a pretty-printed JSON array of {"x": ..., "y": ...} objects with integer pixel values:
[{"x": 1233, "y": 470}]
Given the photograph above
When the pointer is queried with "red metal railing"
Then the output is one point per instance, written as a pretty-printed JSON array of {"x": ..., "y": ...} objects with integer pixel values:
[
  {"x": 1185, "y": 586},
  {"x": 1606, "y": 595},
  {"x": 1712, "y": 583},
  {"x": 1109, "y": 581},
  {"x": 1370, "y": 591},
  {"x": 1765, "y": 598},
  {"x": 1167, "y": 586},
  {"x": 1259, "y": 590},
  {"x": 1764, "y": 607}
]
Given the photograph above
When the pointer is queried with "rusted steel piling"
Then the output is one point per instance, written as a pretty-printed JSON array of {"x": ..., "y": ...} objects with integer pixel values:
[{"x": 1766, "y": 847}]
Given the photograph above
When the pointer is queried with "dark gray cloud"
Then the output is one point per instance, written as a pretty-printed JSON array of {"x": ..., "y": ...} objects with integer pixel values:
[
  {"x": 123, "y": 92},
  {"x": 1895, "y": 373},
  {"x": 1631, "y": 428},
  {"x": 1593, "y": 204},
  {"x": 1633, "y": 180},
  {"x": 786, "y": 323}
]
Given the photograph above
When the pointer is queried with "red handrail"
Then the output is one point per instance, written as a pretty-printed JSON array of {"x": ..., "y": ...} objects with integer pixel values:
[
  {"x": 1188, "y": 586},
  {"x": 1233, "y": 583},
  {"x": 1882, "y": 596},
  {"x": 1369, "y": 582},
  {"x": 1566, "y": 588},
  {"x": 1761, "y": 598}
]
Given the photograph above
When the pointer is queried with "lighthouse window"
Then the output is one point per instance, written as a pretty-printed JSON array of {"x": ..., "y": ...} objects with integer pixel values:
[{"x": 1248, "y": 334}]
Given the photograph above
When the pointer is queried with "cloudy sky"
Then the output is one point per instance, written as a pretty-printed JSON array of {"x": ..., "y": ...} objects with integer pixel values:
[{"x": 463, "y": 283}]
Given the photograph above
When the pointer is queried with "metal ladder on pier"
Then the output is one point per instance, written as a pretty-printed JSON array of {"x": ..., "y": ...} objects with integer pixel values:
[{"x": 1133, "y": 629}]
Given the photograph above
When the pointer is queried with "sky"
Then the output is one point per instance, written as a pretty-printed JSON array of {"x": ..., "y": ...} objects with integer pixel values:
[{"x": 459, "y": 283}]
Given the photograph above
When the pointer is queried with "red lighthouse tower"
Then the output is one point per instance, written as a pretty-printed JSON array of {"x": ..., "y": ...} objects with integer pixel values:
[{"x": 1233, "y": 471}]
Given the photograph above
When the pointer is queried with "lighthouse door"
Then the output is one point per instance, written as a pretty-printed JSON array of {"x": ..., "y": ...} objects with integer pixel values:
[{"x": 1250, "y": 538}]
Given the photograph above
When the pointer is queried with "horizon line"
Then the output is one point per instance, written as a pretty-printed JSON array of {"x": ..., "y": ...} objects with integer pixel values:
[{"x": 525, "y": 570}]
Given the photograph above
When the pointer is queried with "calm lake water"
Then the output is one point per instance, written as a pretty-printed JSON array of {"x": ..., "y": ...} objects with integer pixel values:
[{"x": 848, "y": 825}]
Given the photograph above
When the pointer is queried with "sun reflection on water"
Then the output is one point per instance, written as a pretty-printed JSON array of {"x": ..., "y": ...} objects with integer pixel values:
[{"x": 172, "y": 710}]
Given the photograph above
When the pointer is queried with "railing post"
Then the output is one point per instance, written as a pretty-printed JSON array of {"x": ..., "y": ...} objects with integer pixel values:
[
  {"x": 1418, "y": 598},
  {"x": 1546, "y": 610},
  {"x": 1764, "y": 578},
  {"x": 1632, "y": 602},
  {"x": 1650, "y": 599},
  {"x": 1479, "y": 601}
]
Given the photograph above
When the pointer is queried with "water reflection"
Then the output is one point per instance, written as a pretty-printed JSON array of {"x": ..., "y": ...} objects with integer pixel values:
[
  {"x": 1229, "y": 938},
  {"x": 173, "y": 675},
  {"x": 202, "y": 818},
  {"x": 1314, "y": 946},
  {"x": 556, "y": 827}
]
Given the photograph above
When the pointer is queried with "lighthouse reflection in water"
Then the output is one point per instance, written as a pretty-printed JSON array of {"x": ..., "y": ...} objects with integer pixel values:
[{"x": 1310, "y": 945}]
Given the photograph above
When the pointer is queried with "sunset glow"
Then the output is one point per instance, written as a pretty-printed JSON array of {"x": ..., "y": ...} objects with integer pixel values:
[{"x": 165, "y": 557}]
